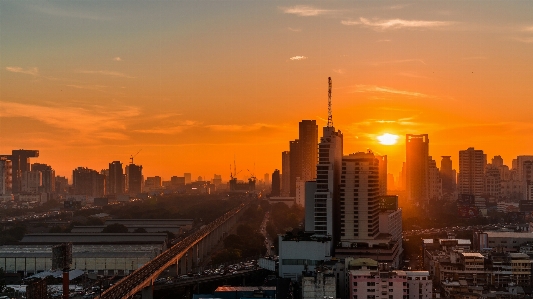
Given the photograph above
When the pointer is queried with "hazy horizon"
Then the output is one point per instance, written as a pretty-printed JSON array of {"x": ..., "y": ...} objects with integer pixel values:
[{"x": 198, "y": 84}]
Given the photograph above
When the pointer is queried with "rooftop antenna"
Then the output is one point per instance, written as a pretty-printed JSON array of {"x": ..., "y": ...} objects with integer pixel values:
[
  {"x": 330, "y": 113},
  {"x": 133, "y": 156}
]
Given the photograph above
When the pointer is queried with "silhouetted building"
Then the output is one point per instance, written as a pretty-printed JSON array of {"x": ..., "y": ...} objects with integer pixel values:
[
  {"x": 286, "y": 173},
  {"x": 115, "y": 178},
  {"x": 276, "y": 184},
  {"x": 434, "y": 180},
  {"x": 295, "y": 165},
  {"x": 325, "y": 205},
  {"x": 416, "y": 164},
  {"x": 134, "y": 178},
  {"x": 31, "y": 182},
  {"x": 471, "y": 171},
  {"x": 493, "y": 184},
  {"x": 446, "y": 174},
  {"x": 61, "y": 184},
  {"x": 20, "y": 160},
  {"x": 88, "y": 182},
  {"x": 382, "y": 174},
  {"x": 188, "y": 178},
  {"x": 5, "y": 176},
  {"x": 308, "y": 137},
  {"x": 48, "y": 176}
]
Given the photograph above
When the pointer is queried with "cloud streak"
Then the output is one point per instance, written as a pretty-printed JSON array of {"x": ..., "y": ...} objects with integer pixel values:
[
  {"x": 381, "y": 89},
  {"x": 16, "y": 69},
  {"x": 82, "y": 121},
  {"x": 298, "y": 58},
  {"x": 393, "y": 24},
  {"x": 107, "y": 73},
  {"x": 305, "y": 11}
]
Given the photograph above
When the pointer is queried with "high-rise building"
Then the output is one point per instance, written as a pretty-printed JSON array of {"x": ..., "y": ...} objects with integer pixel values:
[
  {"x": 88, "y": 182},
  {"x": 48, "y": 176},
  {"x": 115, "y": 178},
  {"x": 471, "y": 177},
  {"x": 134, "y": 178},
  {"x": 434, "y": 180},
  {"x": 20, "y": 161},
  {"x": 276, "y": 184},
  {"x": 523, "y": 169},
  {"x": 359, "y": 198},
  {"x": 446, "y": 175},
  {"x": 492, "y": 181},
  {"x": 295, "y": 165},
  {"x": 382, "y": 174},
  {"x": 416, "y": 164},
  {"x": 31, "y": 182},
  {"x": 266, "y": 178},
  {"x": 188, "y": 178},
  {"x": 285, "y": 173},
  {"x": 308, "y": 137},
  {"x": 5, "y": 176},
  {"x": 61, "y": 184},
  {"x": 326, "y": 196}
]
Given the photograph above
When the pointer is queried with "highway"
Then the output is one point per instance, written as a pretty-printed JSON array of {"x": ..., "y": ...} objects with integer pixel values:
[{"x": 144, "y": 276}]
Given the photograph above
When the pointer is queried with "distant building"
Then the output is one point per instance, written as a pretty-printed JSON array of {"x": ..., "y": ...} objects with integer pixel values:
[
  {"x": 153, "y": 183},
  {"x": 286, "y": 174},
  {"x": 6, "y": 169},
  {"x": 393, "y": 284},
  {"x": 31, "y": 182},
  {"x": 48, "y": 176},
  {"x": 134, "y": 179},
  {"x": 188, "y": 178},
  {"x": 20, "y": 162},
  {"x": 434, "y": 180},
  {"x": 417, "y": 176},
  {"x": 446, "y": 174},
  {"x": 295, "y": 165},
  {"x": 276, "y": 184},
  {"x": 116, "y": 178},
  {"x": 471, "y": 178},
  {"x": 88, "y": 182}
]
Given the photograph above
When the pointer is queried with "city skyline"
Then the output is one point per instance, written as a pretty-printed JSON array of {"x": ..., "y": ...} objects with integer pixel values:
[{"x": 197, "y": 85}]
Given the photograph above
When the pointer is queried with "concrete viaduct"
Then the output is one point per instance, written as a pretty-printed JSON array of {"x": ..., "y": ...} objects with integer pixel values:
[{"x": 187, "y": 254}]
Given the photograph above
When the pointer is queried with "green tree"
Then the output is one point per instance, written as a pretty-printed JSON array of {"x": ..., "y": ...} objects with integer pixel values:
[{"x": 115, "y": 228}]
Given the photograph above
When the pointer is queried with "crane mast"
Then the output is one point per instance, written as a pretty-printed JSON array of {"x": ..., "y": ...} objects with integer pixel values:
[{"x": 330, "y": 113}]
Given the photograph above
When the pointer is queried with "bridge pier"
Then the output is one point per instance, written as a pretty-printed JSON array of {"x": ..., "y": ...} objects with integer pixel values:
[{"x": 147, "y": 292}]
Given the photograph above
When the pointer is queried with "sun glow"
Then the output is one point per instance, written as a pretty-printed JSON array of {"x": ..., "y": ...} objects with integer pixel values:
[{"x": 388, "y": 139}]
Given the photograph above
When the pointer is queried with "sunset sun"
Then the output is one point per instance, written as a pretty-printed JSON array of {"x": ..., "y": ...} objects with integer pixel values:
[{"x": 388, "y": 139}]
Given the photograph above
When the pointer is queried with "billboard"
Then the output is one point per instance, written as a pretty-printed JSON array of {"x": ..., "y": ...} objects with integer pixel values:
[{"x": 467, "y": 211}]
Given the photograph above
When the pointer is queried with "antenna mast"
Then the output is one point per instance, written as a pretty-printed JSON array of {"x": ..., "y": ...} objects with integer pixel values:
[{"x": 330, "y": 114}]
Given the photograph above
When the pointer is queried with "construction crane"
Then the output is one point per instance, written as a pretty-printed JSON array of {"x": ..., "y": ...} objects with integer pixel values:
[
  {"x": 330, "y": 113},
  {"x": 252, "y": 175},
  {"x": 133, "y": 156}
]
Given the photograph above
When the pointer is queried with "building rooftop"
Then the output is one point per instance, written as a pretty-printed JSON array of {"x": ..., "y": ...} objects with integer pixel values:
[
  {"x": 520, "y": 235},
  {"x": 472, "y": 254},
  {"x": 96, "y": 238}
]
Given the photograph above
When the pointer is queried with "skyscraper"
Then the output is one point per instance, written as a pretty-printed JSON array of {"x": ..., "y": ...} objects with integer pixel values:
[
  {"x": 416, "y": 163},
  {"x": 5, "y": 176},
  {"x": 326, "y": 197},
  {"x": 48, "y": 176},
  {"x": 295, "y": 165},
  {"x": 446, "y": 174},
  {"x": 471, "y": 176},
  {"x": 88, "y": 182},
  {"x": 308, "y": 137},
  {"x": 359, "y": 197},
  {"x": 276, "y": 183},
  {"x": 134, "y": 178},
  {"x": 20, "y": 161},
  {"x": 116, "y": 178},
  {"x": 382, "y": 174},
  {"x": 285, "y": 173}
]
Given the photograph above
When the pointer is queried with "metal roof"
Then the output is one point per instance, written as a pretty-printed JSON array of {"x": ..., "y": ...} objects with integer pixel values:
[{"x": 99, "y": 238}]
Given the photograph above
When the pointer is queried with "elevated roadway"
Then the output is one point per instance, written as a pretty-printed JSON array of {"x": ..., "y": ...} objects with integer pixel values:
[{"x": 190, "y": 251}]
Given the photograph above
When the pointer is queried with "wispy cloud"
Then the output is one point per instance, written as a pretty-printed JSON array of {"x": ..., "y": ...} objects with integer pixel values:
[
  {"x": 305, "y": 10},
  {"x": 92, "y": 121},
  {"x": 298, "y": 58},
  {"x": 381, "y": 89},
  {"x": 294, "y": 29},
  {"x": 89, "y": 87},
  {"x": 529, "y": 29},
  {"x": 399, "y": 61},
  {"x": 474, "y": 57},
  {"x": 108, "y": 73},
  {"x": 398, "y": 6},
  {"x": 240, "y": 128},
  {"x": 117, "y": 59},
  {"x": 170, "y": 130},
  {"x": 16, "y": 69},
  {"x": 60, "y": 11},
  {"x": 527, "y": 40},
  {"x": 379, "y": 24},
  {"x": 339, "y": 71}
]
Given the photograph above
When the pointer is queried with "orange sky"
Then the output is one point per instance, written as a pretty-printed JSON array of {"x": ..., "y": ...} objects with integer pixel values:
[{"x": 195, "y": 84}]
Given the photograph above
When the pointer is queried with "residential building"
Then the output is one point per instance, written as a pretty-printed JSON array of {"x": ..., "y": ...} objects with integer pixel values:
[
  {"x": 472, "y": 165},
  {"x": 416, "y": 164}
]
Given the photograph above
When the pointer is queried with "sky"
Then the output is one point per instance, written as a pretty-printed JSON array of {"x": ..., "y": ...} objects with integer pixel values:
[{"x": 192, "y": 86}]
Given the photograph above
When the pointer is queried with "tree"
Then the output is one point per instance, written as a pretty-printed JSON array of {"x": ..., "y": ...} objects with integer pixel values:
[
  {"x": 115, "y": 228},
  {"x": 140, "y": 230}
]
